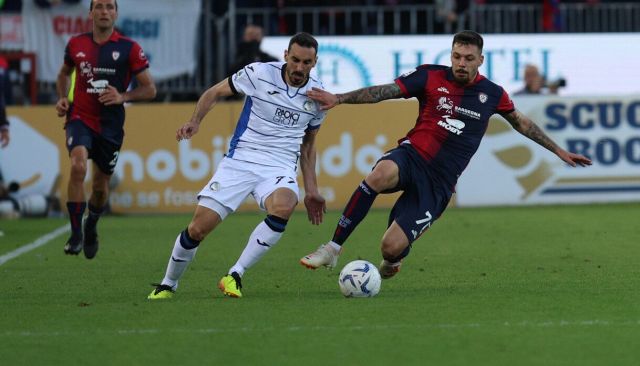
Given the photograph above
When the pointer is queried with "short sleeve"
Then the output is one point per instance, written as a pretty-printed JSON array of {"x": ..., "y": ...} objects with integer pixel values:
[
  {"x": 138, "y": 61},
  {"x": 413, "y": 82},
  {"x": 244, "y": 80},
  {"x": 505, "y": 105},
  {"x": 68, "y": 60}
]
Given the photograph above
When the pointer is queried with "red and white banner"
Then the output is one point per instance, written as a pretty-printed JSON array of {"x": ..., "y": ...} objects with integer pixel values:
[{"x": 166, "y": 30}]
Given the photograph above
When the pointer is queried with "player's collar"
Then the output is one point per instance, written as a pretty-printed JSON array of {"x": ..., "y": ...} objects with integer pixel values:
[{"x": 114, "y": 37}]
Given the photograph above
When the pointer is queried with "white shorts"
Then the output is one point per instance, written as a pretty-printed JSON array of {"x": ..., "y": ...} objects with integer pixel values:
[{"x": 234, "y": 180}]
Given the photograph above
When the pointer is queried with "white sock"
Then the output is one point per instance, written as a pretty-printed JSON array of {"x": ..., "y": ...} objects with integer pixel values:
[
  {"x": 254, "y": 251},
  {"x": 337, "y": 247},
  {"x": 180, "y": 259}
]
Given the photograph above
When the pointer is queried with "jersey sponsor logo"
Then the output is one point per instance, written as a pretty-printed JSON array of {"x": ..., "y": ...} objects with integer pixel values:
[
  {"x": 483, "y": 97},
  {"x": 467, "y": 112},
  {"x": 104, "y": 70},
  {"x": 443, "y": 90},
  {"x": 115, "y": 55},
  {"x": 452, "y": 125},
  {"x": 286, "y": 117},
  {"x": 97, "y": 86}
]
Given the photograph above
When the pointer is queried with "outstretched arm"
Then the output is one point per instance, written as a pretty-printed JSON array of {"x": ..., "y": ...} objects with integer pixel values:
[
  {"x": 371, "y": 94},
  {"x": 528, "y": 128},
  {"x": 313, "y": 201},
  {"x": 207, "y": 101}
]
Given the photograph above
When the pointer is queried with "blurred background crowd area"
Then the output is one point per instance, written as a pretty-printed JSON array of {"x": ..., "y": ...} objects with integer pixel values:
[{"x": 222, "y": 24}]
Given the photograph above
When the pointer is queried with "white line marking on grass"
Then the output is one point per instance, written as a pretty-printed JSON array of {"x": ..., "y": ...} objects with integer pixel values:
[
  {"x": 296, "y": 329},
  {"x": 35, "y": 244}
]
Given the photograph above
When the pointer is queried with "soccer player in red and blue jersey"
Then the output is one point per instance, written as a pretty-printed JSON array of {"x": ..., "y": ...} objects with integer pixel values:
[
  {"x": 455, "y": 104},
  {"x": 104, "y": 62}
]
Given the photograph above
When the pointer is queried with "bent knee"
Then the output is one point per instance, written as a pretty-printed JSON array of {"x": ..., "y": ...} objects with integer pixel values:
[
  {"x": 198, "y": 232},
  {"x": 384, "y": 176}
]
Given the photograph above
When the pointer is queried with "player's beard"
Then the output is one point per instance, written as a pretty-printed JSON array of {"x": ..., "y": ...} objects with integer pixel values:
[
  {"x": 462, "y": 76},
  {"x": 297, "y": 78}
]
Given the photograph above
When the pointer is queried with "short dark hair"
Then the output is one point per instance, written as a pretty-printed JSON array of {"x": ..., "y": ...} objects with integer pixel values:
[
  {"x": 466, "y": 37},
  {"x": 304, "y": 39},
  {"x": 91, "y": 5}
]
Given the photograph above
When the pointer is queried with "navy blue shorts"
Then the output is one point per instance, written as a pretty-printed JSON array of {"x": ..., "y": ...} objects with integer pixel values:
[
  {"x": 423, "y": 199},
  {"x": 102, "y": 152}
]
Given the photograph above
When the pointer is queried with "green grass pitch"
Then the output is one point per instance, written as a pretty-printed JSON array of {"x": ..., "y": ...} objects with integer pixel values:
[{"x": 552, "y": 285}]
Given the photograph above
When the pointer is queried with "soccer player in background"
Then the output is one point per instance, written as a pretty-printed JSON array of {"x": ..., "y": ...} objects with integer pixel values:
[
  {"x": 455, "y": 104},
  {"x": 277, "y": 127},
  {"x": 104, "y": 62}
]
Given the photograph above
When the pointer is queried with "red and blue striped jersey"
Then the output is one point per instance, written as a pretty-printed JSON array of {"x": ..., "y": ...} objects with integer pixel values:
[
  {"x": 452, "y": 118},
  {"x": 114, "y": 63}
]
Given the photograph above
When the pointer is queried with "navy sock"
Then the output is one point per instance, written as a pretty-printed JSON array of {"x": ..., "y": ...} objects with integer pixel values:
[
  {"x": 76, "y": 211},
  {"x": 275, "y": 223},
  {"x": 404, "y": 253},
  {"x": 357, "y": 208},
  {"x": 186, "y": 241},
  {"x": 94, "y": 214}
]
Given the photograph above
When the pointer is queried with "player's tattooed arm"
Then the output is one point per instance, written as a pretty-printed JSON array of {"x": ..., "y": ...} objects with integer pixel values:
[
  {"x": 372, "y": 94},
  {"x": 527, "y": 127}
]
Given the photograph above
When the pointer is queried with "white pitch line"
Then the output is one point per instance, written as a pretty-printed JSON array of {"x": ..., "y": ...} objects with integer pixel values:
[
  {"x": 35, "y": 244},
  {"x": 296, "y": 329}
]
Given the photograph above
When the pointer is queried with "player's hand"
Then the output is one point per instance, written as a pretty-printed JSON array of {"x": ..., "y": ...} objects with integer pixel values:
[
  {"x": 110, "y": 96},
  {"x": 187, "y": 130},
  {"x": 4, "y": 137},
  {"x": 62, "y": 106},
  {"x": 574, "y": 159},
  {"x": 326, "y": 99},
  {"x": 316, "y": 207}
]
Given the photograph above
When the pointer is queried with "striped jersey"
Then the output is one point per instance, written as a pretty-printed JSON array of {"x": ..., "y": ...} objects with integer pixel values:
[
  {"x": 275, "y": 115},
  {"x": 452, "y": 118},
  {"x": 114, "y": 63}
]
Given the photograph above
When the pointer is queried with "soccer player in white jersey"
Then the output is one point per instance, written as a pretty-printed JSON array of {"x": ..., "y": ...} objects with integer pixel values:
[{"x": 277, "y": 127}]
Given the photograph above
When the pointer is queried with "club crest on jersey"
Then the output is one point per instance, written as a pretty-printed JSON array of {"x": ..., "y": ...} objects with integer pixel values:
[
  {"x": 85, "y": 69},
  {"x": 307, "y": 105},
  {"x": 115, "y": 55},
  {"x": 444, "y": 104},
  {"x": 483, "y": 97}
]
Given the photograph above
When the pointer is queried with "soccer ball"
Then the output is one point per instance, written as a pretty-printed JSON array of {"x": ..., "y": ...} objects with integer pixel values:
[{"x": 359, "y": 279}]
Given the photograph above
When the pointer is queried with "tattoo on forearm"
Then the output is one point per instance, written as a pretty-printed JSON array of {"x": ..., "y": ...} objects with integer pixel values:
[
  {"x": 528, "y": 128},
  {"x": 372, "y": 94}
]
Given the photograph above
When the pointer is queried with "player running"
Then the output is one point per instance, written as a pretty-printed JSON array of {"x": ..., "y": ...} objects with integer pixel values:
[
  {"x": 277, "y": 127},
  {"x": 104, "y": 62}
]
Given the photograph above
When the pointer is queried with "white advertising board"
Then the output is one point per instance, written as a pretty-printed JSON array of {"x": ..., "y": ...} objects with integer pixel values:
[
  {"x": 509, "y": 169},
  {"x": 590, "y": 63}
]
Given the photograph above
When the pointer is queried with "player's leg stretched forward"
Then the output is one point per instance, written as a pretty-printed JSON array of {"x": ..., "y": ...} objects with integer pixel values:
[
  {"x": 279, "y": 205},
  {"x": 383, "y": 177},
  {"x": 204, "y": 220}
]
